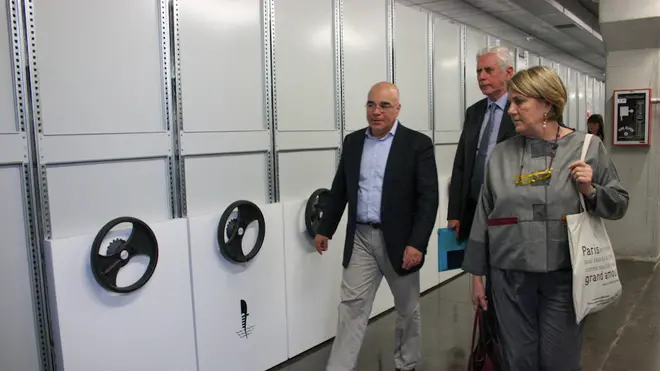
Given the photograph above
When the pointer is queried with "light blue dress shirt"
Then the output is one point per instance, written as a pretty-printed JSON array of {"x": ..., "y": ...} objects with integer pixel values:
[
  {"x": 372, "y": 171},
  {"x": 499, "y": 112}
]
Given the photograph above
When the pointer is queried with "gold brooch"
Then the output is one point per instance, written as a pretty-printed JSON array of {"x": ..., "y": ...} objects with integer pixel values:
[{"x": 534, "y": 177}]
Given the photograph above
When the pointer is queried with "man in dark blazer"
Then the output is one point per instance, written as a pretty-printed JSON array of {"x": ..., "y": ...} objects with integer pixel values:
[
  {"x": 494, "y": 68},
  {"x": 486, "y": 124},
  {"x": 387, "y": 174}
]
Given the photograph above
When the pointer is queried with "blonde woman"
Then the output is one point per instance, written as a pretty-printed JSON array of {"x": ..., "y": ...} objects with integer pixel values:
[{"x": 519, "y": 235}]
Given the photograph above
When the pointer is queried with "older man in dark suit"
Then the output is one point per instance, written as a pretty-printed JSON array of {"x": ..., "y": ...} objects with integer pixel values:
[
  {"x": 387, "y": 174},
  {"x": 486, "y": 123}
]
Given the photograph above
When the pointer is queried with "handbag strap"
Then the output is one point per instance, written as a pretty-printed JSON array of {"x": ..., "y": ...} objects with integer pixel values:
[
  {"x": 477, "y": 317},
  {"x": 583, "y": 156}
]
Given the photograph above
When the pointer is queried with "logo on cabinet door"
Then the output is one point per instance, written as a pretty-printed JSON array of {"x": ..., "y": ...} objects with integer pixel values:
[{"x": 246, "y": 329}]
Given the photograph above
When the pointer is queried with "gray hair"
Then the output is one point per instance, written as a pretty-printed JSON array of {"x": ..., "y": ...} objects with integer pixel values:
[{"x": 504, "y": 57}]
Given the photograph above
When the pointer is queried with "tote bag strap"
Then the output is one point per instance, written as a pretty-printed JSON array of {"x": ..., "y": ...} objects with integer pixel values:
[{"x": 583, "y": 155}]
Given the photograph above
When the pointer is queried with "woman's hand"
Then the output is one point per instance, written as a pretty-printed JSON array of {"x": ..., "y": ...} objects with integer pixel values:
[
  {"x": 582, "y": 173},
  {"x": 479, "y": 293}
]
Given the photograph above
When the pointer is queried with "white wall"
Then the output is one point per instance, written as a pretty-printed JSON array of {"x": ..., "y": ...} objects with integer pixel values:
[
  {"x": 637, "y": 236},
  {"x": 633, "y": 62}
]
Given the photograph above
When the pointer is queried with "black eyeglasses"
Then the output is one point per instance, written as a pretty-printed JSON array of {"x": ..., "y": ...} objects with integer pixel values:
[{"x": 383, "y": 105}]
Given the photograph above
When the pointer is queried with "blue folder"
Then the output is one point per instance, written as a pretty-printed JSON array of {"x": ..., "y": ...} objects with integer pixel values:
[{"x": 450, "y": 250}]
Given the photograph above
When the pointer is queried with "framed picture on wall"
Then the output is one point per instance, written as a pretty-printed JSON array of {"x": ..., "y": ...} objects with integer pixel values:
[{"x": 631, "y": 117}]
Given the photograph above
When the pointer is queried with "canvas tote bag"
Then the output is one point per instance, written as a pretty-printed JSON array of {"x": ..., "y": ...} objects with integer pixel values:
[{"x": 595, "y": 276}]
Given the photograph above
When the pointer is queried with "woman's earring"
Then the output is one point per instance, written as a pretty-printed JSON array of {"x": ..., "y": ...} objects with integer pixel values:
[{"x": 545, "y": 119}]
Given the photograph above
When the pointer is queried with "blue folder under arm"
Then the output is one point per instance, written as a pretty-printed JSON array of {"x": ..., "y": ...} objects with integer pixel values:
[{"x": 450, "y": 250}]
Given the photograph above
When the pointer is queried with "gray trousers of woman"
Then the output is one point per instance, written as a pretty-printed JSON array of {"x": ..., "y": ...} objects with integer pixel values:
[{"x": 536, "y": 320}]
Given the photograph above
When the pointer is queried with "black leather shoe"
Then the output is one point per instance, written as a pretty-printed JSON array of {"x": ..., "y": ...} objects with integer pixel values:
[{"x": 398, "y": 369}]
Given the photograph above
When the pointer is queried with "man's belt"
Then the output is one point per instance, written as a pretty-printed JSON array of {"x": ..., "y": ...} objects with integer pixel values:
[{"x": 371, "y": 224}]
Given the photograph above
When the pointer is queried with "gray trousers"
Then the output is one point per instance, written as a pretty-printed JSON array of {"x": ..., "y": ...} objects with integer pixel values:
[
  {"x": 360, "y": 281},
  {"x": 536, "y": 320}
]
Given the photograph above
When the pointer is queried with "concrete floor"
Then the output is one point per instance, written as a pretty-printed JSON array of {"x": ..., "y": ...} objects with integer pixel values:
[{"x": 625, "y": 336}]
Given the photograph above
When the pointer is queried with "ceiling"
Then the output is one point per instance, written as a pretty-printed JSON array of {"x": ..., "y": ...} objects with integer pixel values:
[{"x": 566, "y": 31}]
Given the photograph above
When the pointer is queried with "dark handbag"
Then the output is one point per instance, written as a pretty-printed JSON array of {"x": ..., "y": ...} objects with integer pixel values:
[{"x": 485, "y": 350}]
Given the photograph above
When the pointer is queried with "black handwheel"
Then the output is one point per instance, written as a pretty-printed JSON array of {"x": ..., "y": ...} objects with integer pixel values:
[
  {"x": 142, "y": 241},
  {"x": 232, "y": 249},
  {"x": 314, "y": 210}
]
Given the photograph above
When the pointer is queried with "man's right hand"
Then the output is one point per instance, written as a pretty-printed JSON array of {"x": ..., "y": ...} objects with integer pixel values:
[
  {"x": 454, "y": 224},
  {"x": 321, "y": 243}
]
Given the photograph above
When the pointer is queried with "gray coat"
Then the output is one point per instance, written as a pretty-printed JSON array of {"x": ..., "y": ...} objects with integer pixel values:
[{"x": 521, "y": 227}]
